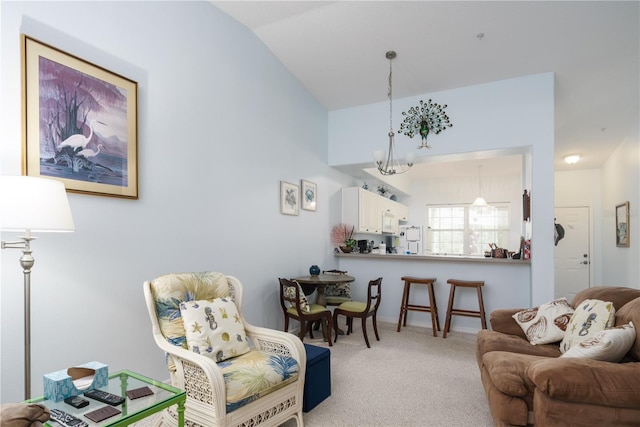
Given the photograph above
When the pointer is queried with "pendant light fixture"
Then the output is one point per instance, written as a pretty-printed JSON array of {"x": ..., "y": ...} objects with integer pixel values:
[
  {"x": 480, "y": 202},
  {"x": 389, "y": 164}
]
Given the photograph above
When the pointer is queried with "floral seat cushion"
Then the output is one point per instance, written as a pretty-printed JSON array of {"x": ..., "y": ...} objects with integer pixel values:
[{"x": 256, "y": 374}]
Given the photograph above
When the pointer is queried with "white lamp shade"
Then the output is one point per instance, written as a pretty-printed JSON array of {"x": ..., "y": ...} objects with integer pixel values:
[
  {"x": 378, "y": 155},
  {"x": 479, "y": 201},
  {"x": 410, "y": 157},
  {"x": 34, "y": 204}
]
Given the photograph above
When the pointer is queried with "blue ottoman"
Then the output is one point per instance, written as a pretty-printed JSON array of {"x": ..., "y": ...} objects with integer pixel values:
[{"x": 317, "y": 379}]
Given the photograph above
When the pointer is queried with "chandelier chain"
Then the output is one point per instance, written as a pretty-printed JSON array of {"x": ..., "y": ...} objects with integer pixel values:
[
  {"x": 390, "y": 94},
  {"x": 388, "y": 164}
]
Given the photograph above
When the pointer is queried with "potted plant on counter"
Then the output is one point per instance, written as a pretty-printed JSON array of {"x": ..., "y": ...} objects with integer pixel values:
[{"x": 342, "y": 236}]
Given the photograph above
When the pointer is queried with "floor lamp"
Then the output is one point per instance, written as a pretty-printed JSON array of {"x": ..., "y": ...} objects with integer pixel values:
[{"x": 29, "y": 204}]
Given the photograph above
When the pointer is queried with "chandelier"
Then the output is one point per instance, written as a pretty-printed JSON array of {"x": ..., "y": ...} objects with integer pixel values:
[{"x": 389, "y": 164}]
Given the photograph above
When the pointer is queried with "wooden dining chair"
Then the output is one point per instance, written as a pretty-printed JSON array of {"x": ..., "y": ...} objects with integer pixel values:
[
  {"x": 295, "y": 306},
  {"x": 361, "y": 310}
]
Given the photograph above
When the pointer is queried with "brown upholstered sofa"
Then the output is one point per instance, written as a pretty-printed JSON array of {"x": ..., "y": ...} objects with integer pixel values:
[{"x": 530, "y": 384}]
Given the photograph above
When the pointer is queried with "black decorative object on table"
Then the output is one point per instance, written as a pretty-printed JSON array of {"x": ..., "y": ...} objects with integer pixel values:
[{"x": 314, "y": 270}]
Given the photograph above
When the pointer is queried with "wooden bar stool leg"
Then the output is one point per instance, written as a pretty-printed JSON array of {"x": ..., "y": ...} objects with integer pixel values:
[
  {"x": 434, "y": 310},
  {"x": 434, "y": 307},
  {"x": 406, "y": 304},
  {"x": 481, "y": 304},
  {"x": 403, "y": 306},
  {"x": 447, "y": 323}
]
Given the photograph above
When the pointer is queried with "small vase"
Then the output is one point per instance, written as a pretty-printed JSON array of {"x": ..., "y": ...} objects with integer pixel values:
[
  {"x": 314, "y": 270},
  {"x": 346, "y": 249}
]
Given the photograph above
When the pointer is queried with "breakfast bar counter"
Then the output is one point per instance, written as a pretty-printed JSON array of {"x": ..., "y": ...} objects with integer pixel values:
[
  {"x": 453, "y": 258},
  {"x": 507, "y": 283}
]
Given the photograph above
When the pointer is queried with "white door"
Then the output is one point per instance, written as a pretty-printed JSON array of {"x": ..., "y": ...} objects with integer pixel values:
[{"x": 572, "y": 257}]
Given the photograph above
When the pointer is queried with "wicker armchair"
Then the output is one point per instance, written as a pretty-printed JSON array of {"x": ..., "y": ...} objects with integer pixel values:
[{"x": 204, "y": 380}]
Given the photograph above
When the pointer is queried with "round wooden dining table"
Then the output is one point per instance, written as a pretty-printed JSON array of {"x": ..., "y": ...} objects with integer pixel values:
[{"x": 320, "y": 281}]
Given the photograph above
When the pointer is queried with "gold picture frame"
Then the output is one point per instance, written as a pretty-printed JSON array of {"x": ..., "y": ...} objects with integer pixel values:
[
  {"x": 622, "y": 225},
  {"x": 79, "y": 123}
]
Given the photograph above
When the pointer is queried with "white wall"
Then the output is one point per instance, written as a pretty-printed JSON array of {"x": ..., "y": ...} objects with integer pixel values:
[
  {"x": 621, "y": 183},
  {"x": 220, "y": 123},
  {"x": 513, "y": 115}
]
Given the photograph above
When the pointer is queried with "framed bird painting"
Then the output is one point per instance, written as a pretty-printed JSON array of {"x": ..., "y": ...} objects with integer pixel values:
[{"x": 79, "y": 123}]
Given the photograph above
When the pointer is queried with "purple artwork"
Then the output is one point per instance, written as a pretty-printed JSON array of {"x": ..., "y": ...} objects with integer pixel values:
[{"x": 83, "y": 126}]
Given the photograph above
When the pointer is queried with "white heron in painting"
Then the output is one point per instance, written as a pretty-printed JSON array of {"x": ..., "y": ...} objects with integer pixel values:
[
  {"x": 88, "y": 152},
  {"x": 78, "y": 140}
]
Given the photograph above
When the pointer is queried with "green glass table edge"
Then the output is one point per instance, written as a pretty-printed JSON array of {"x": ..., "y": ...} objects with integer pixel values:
[{"x": 180, "y": 397}]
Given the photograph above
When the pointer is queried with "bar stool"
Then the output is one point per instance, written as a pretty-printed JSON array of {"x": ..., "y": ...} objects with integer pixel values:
[
  {"x": 459, "y": 312},
  {"x": 405, "y": 306}
]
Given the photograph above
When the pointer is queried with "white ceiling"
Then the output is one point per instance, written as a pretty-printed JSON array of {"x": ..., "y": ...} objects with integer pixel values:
[{"x": 337, "y": 51}]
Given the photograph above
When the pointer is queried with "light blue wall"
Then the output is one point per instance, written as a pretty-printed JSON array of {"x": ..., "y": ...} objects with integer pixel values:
[
  {"x": 509, "y": 115},
  {"x": 220, "y": 123}
]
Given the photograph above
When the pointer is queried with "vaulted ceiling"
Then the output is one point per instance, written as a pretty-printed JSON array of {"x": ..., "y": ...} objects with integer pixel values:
[{"x": 336, "y": 49}]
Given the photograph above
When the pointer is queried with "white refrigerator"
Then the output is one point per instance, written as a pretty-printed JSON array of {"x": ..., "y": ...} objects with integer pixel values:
[{"x": 410, "y": 240}]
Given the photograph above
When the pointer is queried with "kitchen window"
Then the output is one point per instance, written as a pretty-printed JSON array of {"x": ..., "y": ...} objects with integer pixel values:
[{"x": 466, "y": 229}]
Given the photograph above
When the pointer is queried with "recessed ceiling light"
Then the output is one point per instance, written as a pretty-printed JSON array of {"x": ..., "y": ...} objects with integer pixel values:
[
  {"x": 572, "y": 158},
  {"x": 480, "y": 36}
]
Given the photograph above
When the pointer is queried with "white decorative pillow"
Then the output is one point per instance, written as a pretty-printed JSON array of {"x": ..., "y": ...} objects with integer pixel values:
[
  {"x": 214, "y": 328},
  {"x": 546, "y": 323},
  {"x": 290, "y": 292},
  {"x": 609, "y": 345},
  {"x": 590, "y": 317}
]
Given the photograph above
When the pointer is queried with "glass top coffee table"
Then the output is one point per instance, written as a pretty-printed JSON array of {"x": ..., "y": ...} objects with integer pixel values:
[{"x": 132, "y": 411}]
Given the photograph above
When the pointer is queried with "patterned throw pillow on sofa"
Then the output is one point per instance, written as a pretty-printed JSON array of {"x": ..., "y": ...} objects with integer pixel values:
[
  {"x": 609, "y": 345},
  {"x": 589, "y": 318},
  {"x": 546, "y": 323}
]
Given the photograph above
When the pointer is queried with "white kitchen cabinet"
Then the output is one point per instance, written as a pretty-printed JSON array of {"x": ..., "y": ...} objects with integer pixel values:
[
  {"x": 361, "y": 208},
  {"x": 400, "y": 211},
  {"x": 389, "y": 211}
]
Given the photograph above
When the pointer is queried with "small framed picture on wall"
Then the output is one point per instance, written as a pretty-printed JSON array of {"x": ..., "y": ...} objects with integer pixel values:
[
  {"x": 309, "y": 195},
  {"x": 622, "y": 225},
  {"x": 289, "y": 200}
]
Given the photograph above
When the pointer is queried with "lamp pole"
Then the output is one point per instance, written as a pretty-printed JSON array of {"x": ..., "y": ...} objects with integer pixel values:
[{"x": 26, "y": 262}]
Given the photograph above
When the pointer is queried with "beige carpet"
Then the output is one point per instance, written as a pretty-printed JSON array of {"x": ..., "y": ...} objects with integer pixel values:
[
  {"x": 407, "y": 379},
  {"x": 410, "y": 378}
]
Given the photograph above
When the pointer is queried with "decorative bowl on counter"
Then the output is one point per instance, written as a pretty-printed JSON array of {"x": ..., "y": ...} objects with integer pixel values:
[{"x": 346, "y": 249}]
